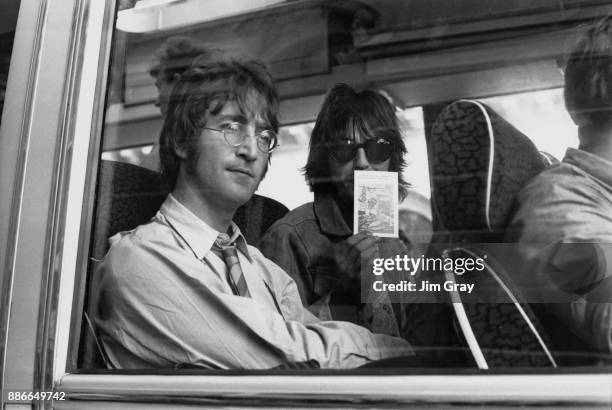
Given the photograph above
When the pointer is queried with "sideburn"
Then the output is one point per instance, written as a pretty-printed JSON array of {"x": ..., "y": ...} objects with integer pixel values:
[{"x": 193, "y": 155}]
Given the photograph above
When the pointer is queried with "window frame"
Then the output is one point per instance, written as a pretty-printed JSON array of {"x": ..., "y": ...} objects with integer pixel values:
[
  {"x": 52, "y": 330},
  {"x": 344, "y": 389}
]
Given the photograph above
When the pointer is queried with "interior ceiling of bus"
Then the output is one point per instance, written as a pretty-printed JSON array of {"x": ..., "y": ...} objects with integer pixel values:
[
  {"x": 419, "y": 52},
  {"x": 155, "y": 15}
]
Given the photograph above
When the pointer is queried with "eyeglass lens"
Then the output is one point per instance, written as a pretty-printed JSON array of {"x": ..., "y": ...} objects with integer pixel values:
[
  {"x": 266, "y": 140},
  {"x": 377, "y": 150}
]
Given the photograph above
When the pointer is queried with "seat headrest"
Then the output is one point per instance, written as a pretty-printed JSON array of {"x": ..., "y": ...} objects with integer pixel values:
[
  {"x": 127, "y": 196},
  {"x": 479, "y": 163}
]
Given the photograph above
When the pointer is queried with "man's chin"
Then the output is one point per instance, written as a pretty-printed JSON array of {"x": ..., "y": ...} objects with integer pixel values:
[
  {"x": 241, "y": 197},
  {"x": 344, "y": 191}
]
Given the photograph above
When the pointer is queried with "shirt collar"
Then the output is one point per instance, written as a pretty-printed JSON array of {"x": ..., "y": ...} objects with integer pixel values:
[
  {"x": 327, "y": 212},
  {"x": 591, "y": 163},
  {"x": 198, "y": 235}
]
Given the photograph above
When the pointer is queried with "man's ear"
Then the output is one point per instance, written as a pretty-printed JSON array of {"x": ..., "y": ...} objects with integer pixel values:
[{"x": 180, "y": 151}]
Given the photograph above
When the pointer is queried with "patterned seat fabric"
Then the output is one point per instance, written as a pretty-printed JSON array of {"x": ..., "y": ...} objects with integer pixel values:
[
  {"x": 257, "y": 215},
  {"x": 479, "y": 163},
  {"x": 127, "y": 196},
  {"x": 500, "y": 329}
]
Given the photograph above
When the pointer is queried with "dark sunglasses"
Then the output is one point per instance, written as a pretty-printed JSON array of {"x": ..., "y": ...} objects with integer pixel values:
[{"x": 377, "y": 150}]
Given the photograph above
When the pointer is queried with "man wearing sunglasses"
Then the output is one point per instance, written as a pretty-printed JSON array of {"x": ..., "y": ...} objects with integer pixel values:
[
  {"x": 314, "y": 243},
  {"x": 185, "y": 289}
]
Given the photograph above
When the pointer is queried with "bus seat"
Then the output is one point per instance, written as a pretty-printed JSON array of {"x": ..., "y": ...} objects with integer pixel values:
[
  {"x": 127, "y": 196},
  {"x": 479, "y": 162},
  {"x": 257, "y": 215},
  {"x": 550, "y": 159}
]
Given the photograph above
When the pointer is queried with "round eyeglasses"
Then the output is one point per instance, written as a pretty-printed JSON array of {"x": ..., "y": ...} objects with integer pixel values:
[
  {"x": 267, "y": 141},
  {"x": 376, "y": 149}
]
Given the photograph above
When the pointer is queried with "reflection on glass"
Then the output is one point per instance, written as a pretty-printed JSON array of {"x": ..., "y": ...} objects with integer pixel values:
[
  {"x": 541, "y": 116},
  {"x": 285, "y": 180},
  {"x": 308, "y": 46},
  {"x": 129, "y": 155}
]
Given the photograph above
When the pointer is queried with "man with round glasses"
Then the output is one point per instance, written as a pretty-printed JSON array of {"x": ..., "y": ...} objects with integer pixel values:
[
  {"x": 235, "y": 135},
  {"x": 186, "y": 289},
  {"x": 314, "y": 243}
]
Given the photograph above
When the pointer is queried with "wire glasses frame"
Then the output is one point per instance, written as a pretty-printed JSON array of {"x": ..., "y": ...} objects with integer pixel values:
[{"x": 267, "y": 141}]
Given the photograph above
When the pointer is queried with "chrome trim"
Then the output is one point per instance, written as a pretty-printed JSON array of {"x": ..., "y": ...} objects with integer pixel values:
[
  {"x": 344, "y": 390},
  {"x": 43, "y": 375},
  {"x": 47, "y": 337},
  {"x": 97, "y": 125},
  {"x": 17, "y": 194}
]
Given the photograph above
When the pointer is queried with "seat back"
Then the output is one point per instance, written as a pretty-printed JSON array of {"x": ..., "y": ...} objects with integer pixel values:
[
  {"x": 127, "y": 196},
  {"x": 499, "y": 329},
  {"x": 479, "y": 163},
  {"x": 257, "y": 215}
]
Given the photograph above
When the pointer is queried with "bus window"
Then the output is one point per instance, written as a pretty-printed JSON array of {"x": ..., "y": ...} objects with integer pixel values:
[
  {"x": 153, "y": 48},
  {"x": 129, "y": 155},
  {"x": 539, "y": 115},
  {"x": 179, "y": 308},
  {"x": 290, "y": 157}
]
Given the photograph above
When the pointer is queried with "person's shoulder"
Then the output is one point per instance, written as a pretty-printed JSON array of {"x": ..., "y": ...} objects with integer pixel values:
[
  {"x": 556, "y": 198},
  {"x": 151, "y": 232},
  {"x": 562, "y": 180},
  {"x": 303, "y": 214},
  {"x": 137, "y": 248}
]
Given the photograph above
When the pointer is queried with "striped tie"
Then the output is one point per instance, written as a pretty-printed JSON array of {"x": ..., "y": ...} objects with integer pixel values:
[{"x": 235, "y": 277}]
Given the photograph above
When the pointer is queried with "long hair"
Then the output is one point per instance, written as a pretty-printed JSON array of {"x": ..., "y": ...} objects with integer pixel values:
[
  {"x": 344, "y": 111},
  {"x": 206, "y": 87}
]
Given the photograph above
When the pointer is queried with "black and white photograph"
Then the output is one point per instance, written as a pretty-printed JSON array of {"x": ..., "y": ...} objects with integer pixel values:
[
  {"x": 376, "y": 203},
  {"x": 305, "y": 204}
]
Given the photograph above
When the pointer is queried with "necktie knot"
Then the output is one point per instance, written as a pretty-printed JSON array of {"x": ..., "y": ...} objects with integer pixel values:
[
  {"x": 224, "y": 240},
  {"x": 235, "y": 276}
]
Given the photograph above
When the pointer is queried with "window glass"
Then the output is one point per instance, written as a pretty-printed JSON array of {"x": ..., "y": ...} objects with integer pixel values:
[
  {"x": 129, "y": 155},
  {"x": 204, "y": 102},
  {"x": 286, "y": 169},
  {"x": 540, "y": 115}
]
